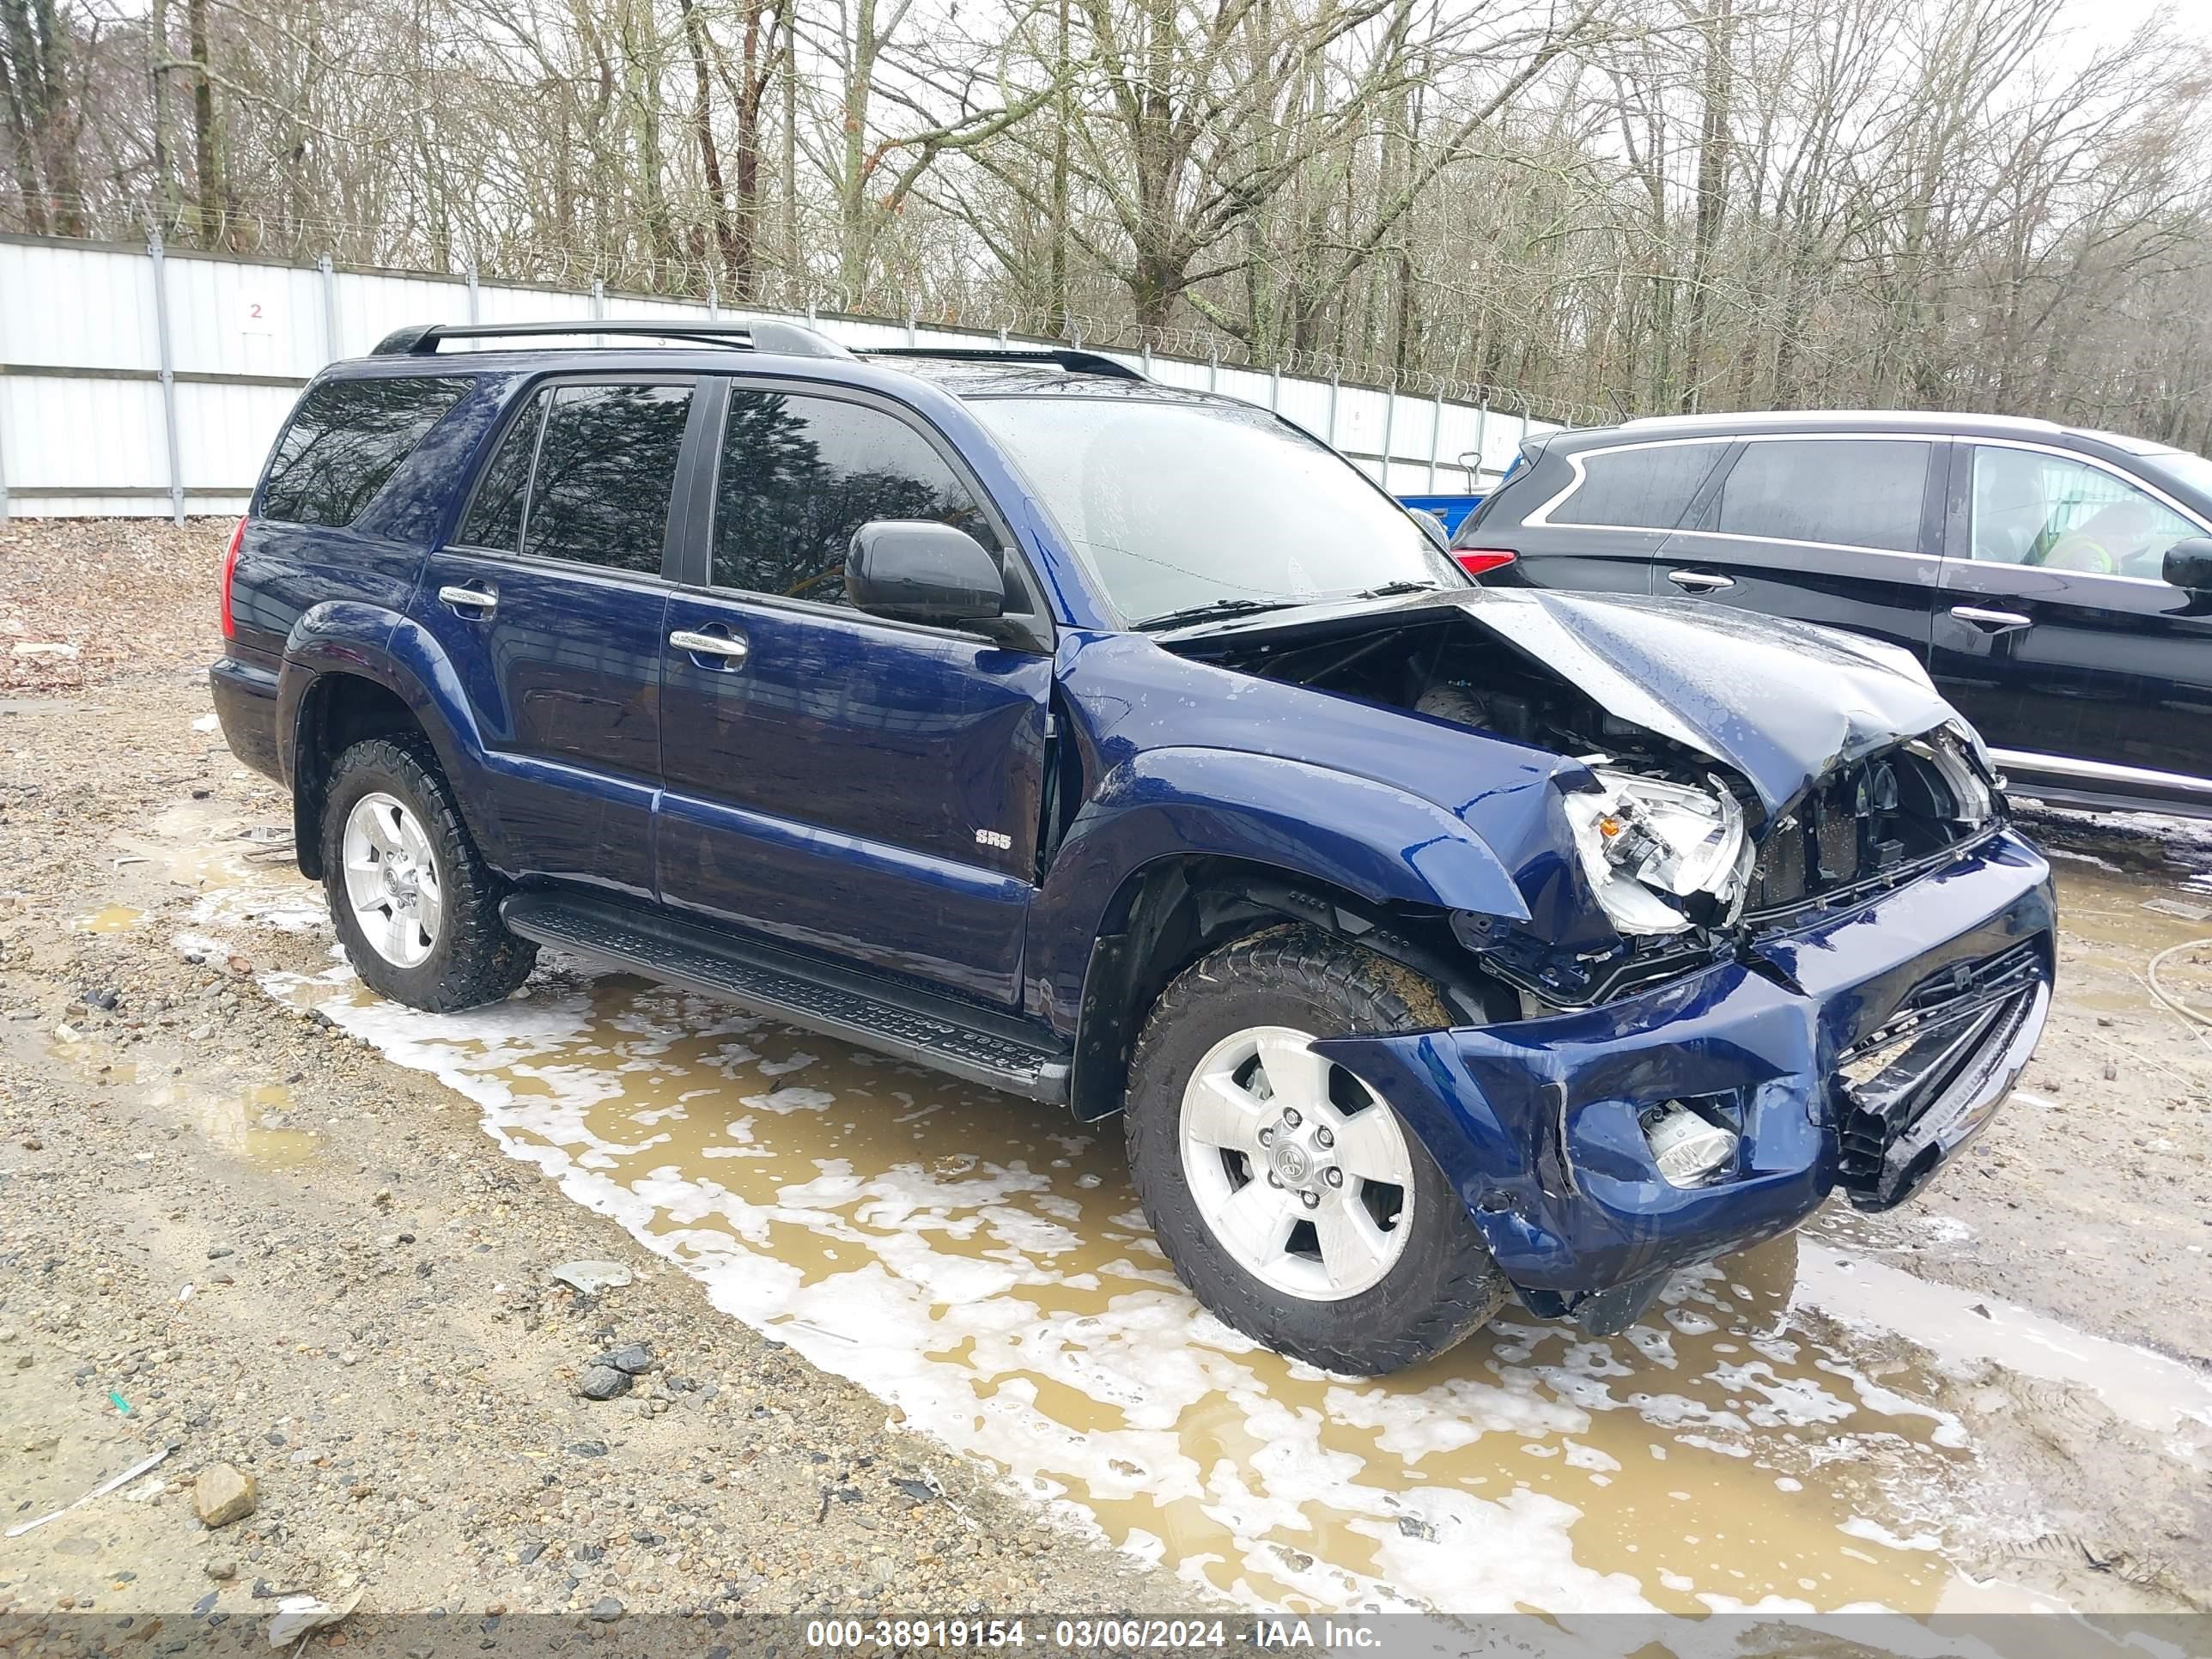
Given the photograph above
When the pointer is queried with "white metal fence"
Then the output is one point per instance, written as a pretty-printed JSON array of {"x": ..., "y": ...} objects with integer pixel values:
[{"x": 140, "y": 382}]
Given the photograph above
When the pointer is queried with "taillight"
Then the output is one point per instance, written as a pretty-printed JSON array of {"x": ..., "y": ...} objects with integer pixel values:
[
  {"x": 1481, "y": 561},
  {"x": 230, "y": 570}
]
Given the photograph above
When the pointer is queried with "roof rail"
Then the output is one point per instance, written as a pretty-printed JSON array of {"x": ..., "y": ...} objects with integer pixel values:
[
  {"x": 1076, "y": 362},
  {"x": 791, "y": 339}
]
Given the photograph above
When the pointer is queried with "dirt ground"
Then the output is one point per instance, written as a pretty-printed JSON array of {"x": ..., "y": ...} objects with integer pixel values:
[
  {"x": 231, "y": 1231},
  {"x": 380, "y": 1346}
]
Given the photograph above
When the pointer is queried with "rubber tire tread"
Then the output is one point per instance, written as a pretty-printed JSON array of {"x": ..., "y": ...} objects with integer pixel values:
[
  {"x": 1445, "y": 1286},
  {"x": 477, "y": 960}
]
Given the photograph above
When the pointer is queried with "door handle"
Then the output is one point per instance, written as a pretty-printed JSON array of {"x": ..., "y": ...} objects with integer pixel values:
[
  {"x": 481, "y": 600},
  {"x": 1699, "y": 581},
  {"x": 1991, "y": 622},
  {"x": 732, "y": 650}
]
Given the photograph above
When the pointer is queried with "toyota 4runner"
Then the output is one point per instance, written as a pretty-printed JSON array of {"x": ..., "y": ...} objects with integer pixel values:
[{"x": 1125, "y": 749}]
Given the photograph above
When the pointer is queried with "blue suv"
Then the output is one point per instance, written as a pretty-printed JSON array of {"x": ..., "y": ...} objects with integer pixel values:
[{"x": 1125, "y": 748}]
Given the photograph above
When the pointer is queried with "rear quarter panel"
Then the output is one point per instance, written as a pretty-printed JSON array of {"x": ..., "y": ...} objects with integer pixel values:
[
  {"x": 286, "y": 569},
  {"x": 1576, "y": 558}
]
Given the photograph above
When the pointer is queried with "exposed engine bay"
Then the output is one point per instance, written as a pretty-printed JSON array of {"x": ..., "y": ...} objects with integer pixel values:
[{"x": 1687, "y": 853}]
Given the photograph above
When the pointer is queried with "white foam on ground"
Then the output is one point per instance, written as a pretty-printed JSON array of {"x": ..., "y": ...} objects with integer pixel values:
[
  {"x": 1151, "y": 1360},
  {"x": 1185, "y": 1440}
]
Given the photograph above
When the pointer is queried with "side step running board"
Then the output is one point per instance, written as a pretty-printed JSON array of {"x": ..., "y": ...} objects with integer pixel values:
[{"x": 933, "y": 1032}]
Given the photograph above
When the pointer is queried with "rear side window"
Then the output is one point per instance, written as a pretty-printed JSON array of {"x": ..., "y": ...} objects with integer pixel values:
[
  {"x": 346, "y": 439},
  {"x": 799, "y": 475},
  {"x": 495, "y": 515},
  {"x": 584, "y": 473},
  {"x": 1851, "y": 492},
  {"x": 606, "y": 467},
  {"x": 1647, "y": 488}
]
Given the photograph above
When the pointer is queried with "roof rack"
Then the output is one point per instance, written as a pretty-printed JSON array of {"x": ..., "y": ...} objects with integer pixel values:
[
  {"x": 791, "y": 339},
  {"x": 1076, "y": 362}
]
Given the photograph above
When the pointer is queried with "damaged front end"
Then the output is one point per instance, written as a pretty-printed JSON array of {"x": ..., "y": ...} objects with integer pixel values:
[
  {"x": 1733, "y": 775},
  {"x": 1783, "y": 943},
  {"x": 1689, "y": 876}
]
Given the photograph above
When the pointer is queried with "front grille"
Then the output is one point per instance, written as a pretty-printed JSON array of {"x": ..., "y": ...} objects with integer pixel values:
[{"x": 1937, "y": 1045}]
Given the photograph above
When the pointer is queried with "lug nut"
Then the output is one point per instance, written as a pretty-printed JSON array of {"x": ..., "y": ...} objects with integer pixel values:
[
  {"x": 1311, "y": 1199},
  {"x": 1267, "y": 1135},
  {"x": 1290, "y": 1117},
  {"x": 1333, "y": 1175},
  {"x": 1323, "y": 1139},
  {"x": 1273, "y": 1179}
]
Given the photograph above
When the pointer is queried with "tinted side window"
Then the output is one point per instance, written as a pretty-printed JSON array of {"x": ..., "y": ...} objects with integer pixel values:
[
  {"x": 606, "y": 467},
  {"x": 495, "y": 513},
  {"x": 1858, "y": 492},
  {"x": 346, "y": 439},
  {"x": 1647, "y": 488},
  {"x": 799, "y": 475}
]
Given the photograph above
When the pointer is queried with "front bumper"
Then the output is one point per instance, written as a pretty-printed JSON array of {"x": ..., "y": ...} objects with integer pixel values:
[{"x": 1861, "y": 1051}]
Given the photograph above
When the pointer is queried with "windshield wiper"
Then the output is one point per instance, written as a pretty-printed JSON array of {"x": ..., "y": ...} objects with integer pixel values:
[
  {"x": 1391, "y": 590},
  {"x": 1213, "y": 608}
]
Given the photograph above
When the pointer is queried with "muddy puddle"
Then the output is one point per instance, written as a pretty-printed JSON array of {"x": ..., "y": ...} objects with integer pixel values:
[
  {"x": 110, "y": 919},
  {"x": 980, "y": 1263},
  {"x": 255, "y": 1123},
  {"x": 2136, "y": 890}
]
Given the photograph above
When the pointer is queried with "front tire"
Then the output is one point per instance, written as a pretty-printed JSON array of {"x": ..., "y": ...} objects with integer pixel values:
[
  {"x": 1291, "y": 1200},
  {"x": 414, "y": 903}
]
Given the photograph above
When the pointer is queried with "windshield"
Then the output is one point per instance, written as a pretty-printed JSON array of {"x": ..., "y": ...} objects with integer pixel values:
[{"x": 1176, "y": 507}]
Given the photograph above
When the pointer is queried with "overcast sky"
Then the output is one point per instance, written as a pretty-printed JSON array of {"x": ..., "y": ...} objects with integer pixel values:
[{"x": 2102, "y": 19}]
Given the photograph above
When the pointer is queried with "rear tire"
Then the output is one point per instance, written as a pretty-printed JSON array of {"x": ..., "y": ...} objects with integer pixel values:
[
  {"x": 1333, "y": 1237},
  {"x": 412, "y": 901}
]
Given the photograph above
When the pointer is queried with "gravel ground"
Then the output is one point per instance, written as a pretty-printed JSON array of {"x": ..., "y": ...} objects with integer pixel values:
[{"x": 370, "y": 1336}]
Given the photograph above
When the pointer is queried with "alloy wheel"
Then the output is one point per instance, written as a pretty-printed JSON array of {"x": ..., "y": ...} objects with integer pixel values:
[
  {"x": 391, "y": 880},
  {"x": 1299, "y": 1171}
]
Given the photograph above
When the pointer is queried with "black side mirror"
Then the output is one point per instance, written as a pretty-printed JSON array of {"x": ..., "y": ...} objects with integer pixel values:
[
  {"x": 2188, "y": 564},
  {"x": 914, "y": 570}
]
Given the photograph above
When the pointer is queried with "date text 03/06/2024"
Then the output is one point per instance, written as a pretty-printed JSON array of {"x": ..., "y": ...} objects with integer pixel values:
[{"x": 1093, "y": 1634}]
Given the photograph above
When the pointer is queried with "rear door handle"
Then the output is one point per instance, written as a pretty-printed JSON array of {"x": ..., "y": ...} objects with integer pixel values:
[
  {"x": 480, "y": 600},
  {"x": 1991, "y": 622},
  {"x": 729, "y": 650},
  {"x": 1699, "y": 581}
]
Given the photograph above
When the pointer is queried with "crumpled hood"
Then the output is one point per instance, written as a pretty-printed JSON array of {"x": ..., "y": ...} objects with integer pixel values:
[{"x": 1782, "y": 702}]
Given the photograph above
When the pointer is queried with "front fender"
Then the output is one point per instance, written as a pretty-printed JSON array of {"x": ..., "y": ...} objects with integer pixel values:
[
  {"x": 1310, "y": 821},
  {"x": 367, "y": 642}
]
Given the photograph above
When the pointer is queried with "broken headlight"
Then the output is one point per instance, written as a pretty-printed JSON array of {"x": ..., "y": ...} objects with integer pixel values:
[
  {"x": 1662, "y": 857},
  {"x": 1959, "y": 760}
]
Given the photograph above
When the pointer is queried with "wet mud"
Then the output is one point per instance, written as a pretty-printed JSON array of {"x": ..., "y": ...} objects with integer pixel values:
[{"x": 1791, "y": 1430}]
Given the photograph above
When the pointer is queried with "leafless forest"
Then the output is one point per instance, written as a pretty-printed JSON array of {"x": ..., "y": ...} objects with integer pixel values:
[{"x": 1601, "y": 205}]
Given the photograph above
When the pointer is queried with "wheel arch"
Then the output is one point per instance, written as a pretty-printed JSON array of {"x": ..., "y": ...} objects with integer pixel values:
[
  {"x": 347, "y": 676},
  {"x": 1177, "y": 909},
  {"x": 1181, "y": 849}
]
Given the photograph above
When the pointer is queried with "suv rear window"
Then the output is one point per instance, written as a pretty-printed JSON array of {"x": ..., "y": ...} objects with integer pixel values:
[
  {"x": 1648, "y": 488},
  {"x": 346, "y": 439}
]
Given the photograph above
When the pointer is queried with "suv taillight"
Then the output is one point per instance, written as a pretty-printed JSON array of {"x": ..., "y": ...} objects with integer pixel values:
[
  {"x": 230, "y": 570},
  {"x": 1481, "y": 561}
]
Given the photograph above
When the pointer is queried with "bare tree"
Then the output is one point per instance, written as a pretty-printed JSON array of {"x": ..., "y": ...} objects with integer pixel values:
[{"x": 1598, "y": 205}]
